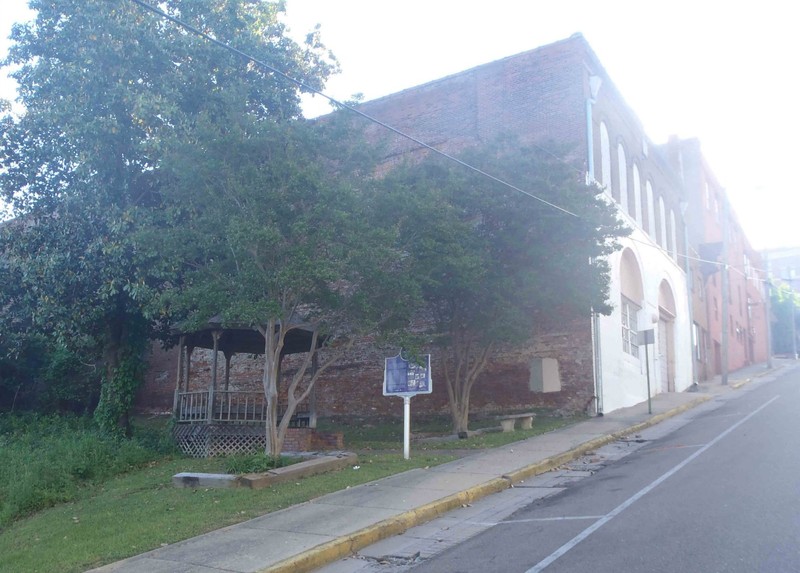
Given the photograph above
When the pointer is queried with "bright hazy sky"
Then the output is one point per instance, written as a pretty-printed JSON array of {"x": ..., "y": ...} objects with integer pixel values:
[{"x": 724, "y": 72}]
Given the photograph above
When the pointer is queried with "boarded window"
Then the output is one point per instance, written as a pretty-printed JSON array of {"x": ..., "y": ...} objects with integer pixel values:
[{"x": 545, "y": 376}]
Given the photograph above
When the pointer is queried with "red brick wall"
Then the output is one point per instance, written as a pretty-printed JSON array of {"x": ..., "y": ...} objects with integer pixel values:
[
  {"x": 538, "y": 95},
  {"x": 355, "y": 385}
]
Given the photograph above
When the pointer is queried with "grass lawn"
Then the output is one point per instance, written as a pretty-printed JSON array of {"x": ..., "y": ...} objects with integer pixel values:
[{"x": 139, "y": 511}]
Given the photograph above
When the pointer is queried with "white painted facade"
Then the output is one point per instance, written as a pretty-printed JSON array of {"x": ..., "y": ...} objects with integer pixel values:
[
  {"x": 622, "y": 378},
  {"x": 659, "y": 297}
]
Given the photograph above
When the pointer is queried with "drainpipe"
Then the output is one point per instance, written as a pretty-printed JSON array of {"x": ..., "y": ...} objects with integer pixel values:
[
  {"x": 597, "y": 365},
  {"x": 724, "y": 286},
  {"x": 690, "y": 289}
]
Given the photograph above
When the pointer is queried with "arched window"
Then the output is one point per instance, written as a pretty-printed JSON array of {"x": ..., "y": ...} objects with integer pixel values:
[
  {"x": 651, "y": 210},
  {"x": 623, "y": 178},
  {"x": 605, "y": 158},
  {"x": 663, "y": 220},
  {"x": 637, "y": 195},
  {"x": 631, "y": 291}
]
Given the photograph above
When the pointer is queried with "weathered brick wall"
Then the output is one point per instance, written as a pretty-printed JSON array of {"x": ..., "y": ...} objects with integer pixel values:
[
  {"x": 354, "y": 386},
  {"x": 158, "y": 390},
  {"x": 538, "y": 95}
]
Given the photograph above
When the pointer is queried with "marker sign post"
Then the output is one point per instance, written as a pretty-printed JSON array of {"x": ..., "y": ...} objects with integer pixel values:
[
  {"x": 646, "y": 338},
  {"x": 406, "y": 379}
]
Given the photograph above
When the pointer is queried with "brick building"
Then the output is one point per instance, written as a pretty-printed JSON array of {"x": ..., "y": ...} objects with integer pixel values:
[
  {"x": 558, "y": 96},
  {"x": 715, "y": 234}
]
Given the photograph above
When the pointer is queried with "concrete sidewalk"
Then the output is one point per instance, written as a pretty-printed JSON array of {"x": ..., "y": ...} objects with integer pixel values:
[{"x": 307, "y": 536}]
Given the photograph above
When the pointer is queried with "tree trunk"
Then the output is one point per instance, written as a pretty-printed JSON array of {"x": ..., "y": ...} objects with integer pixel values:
[
  {"x": 273, "y": 344},
  {"x": 117, "y": 392},
  {"x": 276, "y": 428},
  {"x": 461, "y": 373}
]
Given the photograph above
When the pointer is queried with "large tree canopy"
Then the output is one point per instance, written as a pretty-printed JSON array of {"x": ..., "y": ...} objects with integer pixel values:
[
  {"x": 492, "y": 262},
  {"x": 271, "y": 227},
  {"x": 106, "y": 87}
]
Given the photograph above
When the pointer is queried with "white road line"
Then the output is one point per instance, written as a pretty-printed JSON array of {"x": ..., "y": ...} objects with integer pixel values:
[
  {"x": 563, "y": 518},
  {"x": 533, "y": 520},
  {"x": 637, "y": 496}
]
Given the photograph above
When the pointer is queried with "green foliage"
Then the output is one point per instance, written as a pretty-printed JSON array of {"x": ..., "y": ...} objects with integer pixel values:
[
  {"x": 70, "y": 385},
  {"x": 492, "y": 263},
  {"x": 135, "y": 512},
  {"x": 38, "y": 375},
  {"x": 784, "y": 303},
  {"x": 494, "y": 260},
  {"x": 49, "y": 460},
  {"x": 105, "y": 86},
  {"x": 270, "y": 224},
  {"x": 117, "y": 394},
  {"x": 263, "y": 218}
]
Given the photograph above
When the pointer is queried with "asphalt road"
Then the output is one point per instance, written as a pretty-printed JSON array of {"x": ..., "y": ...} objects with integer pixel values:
[{"x": 718, "y": 491}]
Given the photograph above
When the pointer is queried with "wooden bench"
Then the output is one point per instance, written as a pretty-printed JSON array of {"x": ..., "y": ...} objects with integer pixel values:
[{"x": 509, "y": 420}]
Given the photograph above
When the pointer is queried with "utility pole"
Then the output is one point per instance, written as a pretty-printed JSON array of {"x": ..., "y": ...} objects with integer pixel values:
[
  {"x": 768, "y": 319},
  {"x": 794, "y": 323},
  {"x": 724, "y": 284},
  {"x": 693, "y": 343}
]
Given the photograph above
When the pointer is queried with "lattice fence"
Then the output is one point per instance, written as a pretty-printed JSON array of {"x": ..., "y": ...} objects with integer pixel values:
[{"x": 206, "y": 440}]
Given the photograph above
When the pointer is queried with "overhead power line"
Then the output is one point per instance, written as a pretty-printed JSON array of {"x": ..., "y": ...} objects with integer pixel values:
[
  {"x": 352, "y": 109},
  {"x": 341, "y": 104}
]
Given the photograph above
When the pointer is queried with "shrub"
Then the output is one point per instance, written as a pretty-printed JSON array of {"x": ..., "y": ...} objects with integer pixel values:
[{"x": 51, "y": 459}]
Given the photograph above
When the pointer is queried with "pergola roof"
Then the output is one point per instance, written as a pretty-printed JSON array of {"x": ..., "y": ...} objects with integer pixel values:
[{"x": 241, "y": 339}]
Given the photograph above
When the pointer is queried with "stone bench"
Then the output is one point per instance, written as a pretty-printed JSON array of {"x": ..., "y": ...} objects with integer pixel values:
[{"x": 509, "y": 420}]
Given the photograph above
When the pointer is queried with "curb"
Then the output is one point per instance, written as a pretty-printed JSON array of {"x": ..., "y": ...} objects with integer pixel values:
[
  {"x": 739, "y": 383},
  {"x": 326, "y": 553}
]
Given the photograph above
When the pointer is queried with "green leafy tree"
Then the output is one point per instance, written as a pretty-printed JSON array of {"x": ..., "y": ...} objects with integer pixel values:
[
  {"x": 491, "y": 262},
  {"x": 784, "y": 304},
  {"x": 269, "y": 223},
  {"x": 104, "y": 85}
]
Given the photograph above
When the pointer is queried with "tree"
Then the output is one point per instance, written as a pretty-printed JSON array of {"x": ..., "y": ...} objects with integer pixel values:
[
  {"x": 784, "y": 303},
  {"x": 492, "y": 262},
  {"x": 269, "y": 223},
  {"x": 104, "y": 84}
]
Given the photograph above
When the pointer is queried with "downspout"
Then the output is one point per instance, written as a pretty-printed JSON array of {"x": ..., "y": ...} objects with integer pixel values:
[
  {"x": 597, "y": 365},
  {"x": 724, "y": 286},
  {"x": 689, "y": 282},
  {"x": 690, "y": 293}
]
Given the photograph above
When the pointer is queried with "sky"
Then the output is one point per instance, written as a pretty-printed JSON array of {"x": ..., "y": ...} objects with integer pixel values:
[{"x": 722, "y": 72}]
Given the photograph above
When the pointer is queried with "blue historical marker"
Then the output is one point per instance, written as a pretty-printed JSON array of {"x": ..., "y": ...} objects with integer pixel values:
[
  {"x": 402, "y": 377},
  {"x": 406, "y": 379}
]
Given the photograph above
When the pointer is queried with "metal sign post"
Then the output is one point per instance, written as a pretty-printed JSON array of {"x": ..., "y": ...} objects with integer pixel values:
[
  {"x": 647, "y": 337},
  {"x": 406, "y": 379}
]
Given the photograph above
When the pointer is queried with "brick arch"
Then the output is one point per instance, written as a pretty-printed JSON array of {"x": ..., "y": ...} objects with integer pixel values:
[{"x": 630, "y": 273}]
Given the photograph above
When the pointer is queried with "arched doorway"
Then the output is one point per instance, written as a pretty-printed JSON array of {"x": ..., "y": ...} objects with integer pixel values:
[{"x": 666, "y": 336}]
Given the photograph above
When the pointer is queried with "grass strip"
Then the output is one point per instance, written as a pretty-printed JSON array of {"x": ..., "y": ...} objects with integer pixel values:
[{"x": 141, "y": 511}]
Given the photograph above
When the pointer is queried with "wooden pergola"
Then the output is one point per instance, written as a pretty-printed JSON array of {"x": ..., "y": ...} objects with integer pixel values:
[{"x": 219, "y": 404}]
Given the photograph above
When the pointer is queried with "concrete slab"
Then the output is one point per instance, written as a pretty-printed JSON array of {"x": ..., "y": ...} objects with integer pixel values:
[
  {"x": 320, "y": 518},
  {"x": 143, "y": 564},
  {"x": 379, "y": 496},
  {"x": 239, "y": 549},
  {"x": 447, "y": 480},
  {"x": 197, "y": 480}
]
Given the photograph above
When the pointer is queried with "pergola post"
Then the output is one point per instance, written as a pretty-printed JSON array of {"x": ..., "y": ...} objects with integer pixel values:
[
  {"x": 312, "y": 398},
  {"x": 215, "y": 359},
  {"x": 187, "y": 367},
  {"x": 178, "y": 377},
  {"x": 228, "y": 356}
]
